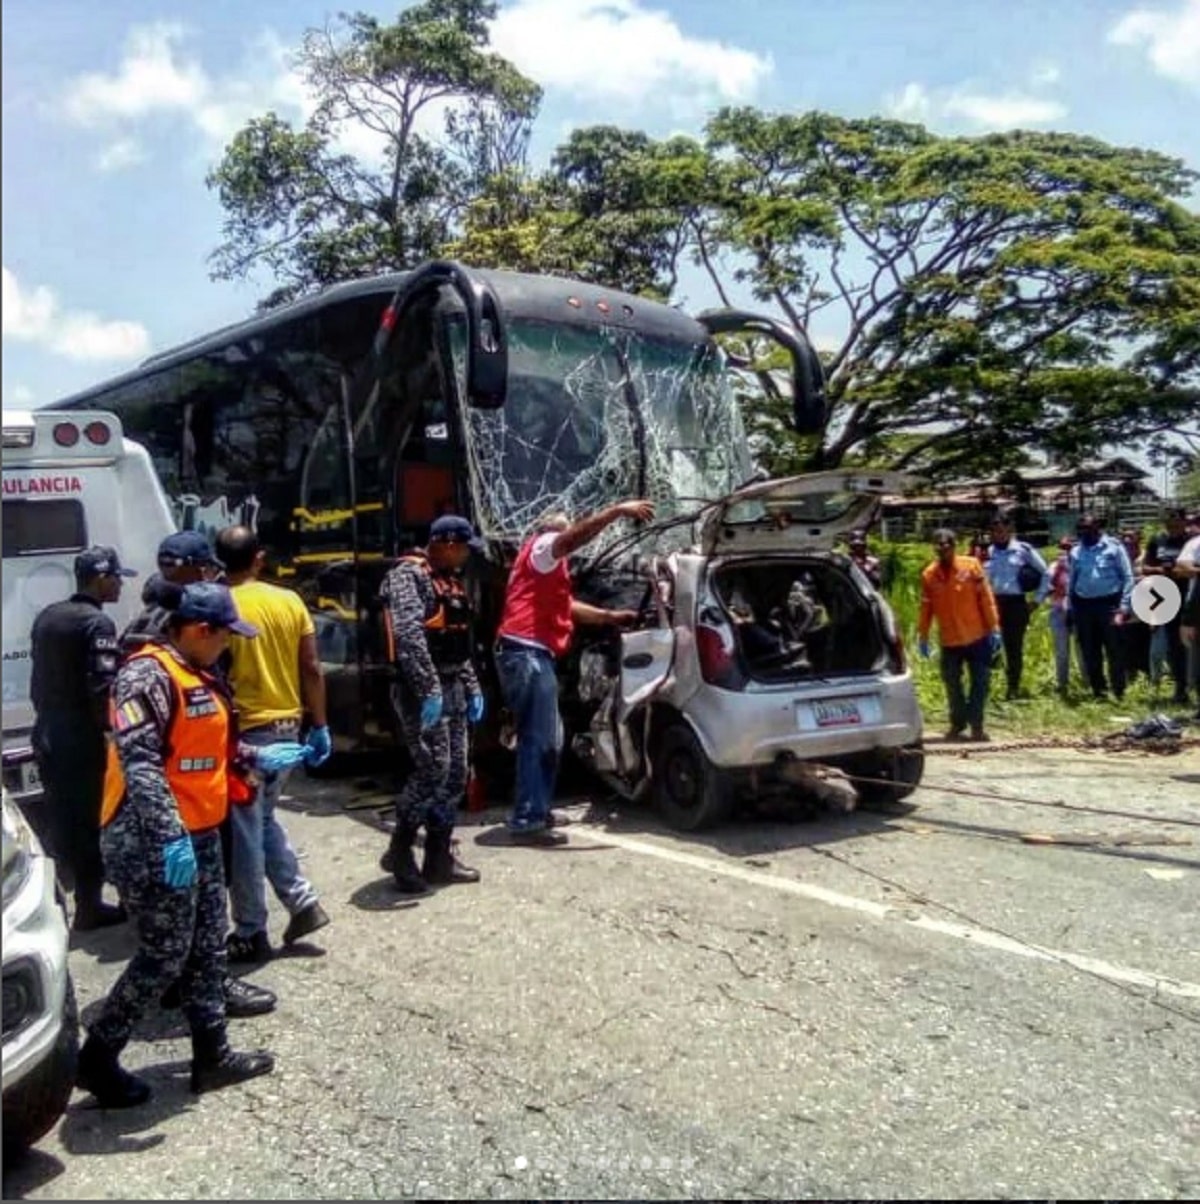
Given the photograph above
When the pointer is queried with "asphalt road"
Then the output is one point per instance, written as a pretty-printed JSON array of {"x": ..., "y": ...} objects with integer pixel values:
[{"x": 919, "y": 1004}]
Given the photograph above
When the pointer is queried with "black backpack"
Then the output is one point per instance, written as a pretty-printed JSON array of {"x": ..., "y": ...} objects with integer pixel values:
[{"x": 1029, "y": 577}]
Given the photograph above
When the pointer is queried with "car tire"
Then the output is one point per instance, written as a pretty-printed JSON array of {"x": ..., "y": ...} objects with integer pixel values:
[
  {"x": 32, "y": 1108},
  {"x": 689, "y": 791},
  {"x": 899, "y": 773}
]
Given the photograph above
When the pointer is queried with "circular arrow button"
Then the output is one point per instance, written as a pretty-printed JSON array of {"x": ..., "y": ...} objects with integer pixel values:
[{"x": 1156, "y": 600}]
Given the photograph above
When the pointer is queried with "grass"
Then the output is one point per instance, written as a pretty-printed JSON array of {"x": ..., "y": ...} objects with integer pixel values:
[{"x": 1043, "y": 712}]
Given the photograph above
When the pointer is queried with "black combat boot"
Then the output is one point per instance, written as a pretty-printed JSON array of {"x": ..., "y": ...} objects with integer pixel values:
[
  {"x": 215, "y": 1065},
  {"x": 91, "y": 912},
  {"x": 442, "y": 867},
  {"x": 100, "y": 1073},
  {"x": 401, "y": 862}
]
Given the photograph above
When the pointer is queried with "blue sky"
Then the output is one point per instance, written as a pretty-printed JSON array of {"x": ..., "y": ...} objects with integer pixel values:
[{"x": 112, "y": 113}]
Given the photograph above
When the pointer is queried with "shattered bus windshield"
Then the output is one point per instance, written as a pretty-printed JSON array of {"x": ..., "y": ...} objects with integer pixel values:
[{"x": 596, "y": 415}]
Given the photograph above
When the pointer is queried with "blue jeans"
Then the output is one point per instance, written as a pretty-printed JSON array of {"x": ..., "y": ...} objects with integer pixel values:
[
  {"x": 261, "y": 849},
  {"x": 967, "y": 709},
  {"x": 529, "y": 684},
  {"x": 1062, "y": 647}
]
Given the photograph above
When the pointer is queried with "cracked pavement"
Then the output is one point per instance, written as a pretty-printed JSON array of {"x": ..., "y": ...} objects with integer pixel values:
[{"x": 643, "y": 1014}]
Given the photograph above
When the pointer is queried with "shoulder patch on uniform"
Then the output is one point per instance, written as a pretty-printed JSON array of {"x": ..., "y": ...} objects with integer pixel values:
[
  {"x": 129, "y": 715},
  {"x": 106, "y": 643}
]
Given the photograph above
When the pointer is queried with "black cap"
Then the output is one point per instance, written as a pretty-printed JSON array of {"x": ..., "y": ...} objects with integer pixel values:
[
  {"x": 186, "y": 547},
  {"x": 100, "y": 561},
  {"x": 453, "y": 528}
]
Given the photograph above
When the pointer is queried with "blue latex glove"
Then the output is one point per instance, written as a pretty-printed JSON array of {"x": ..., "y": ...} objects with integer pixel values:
[
  {"x": 431, "y": 711},
  {"x": 995, "y": 643},
  {"x": 275, "y": 758},
  {"x": 318, "y": 747},
  {"x": 475, "y": 708},
  {"x": 923, "y": 649},
  {"x": 179, "y": 863}
]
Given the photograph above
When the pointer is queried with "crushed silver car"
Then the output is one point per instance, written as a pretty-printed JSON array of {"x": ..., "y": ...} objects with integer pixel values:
[
  {"x": 41, "y": 1026},
  {"x": 763, "y": 652}
]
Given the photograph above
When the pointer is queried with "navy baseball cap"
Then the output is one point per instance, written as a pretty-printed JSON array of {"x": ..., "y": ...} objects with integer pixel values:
[
  {"x": 453, "y": 528},
  {"x": 186, "y": 547},
  {"x": 100, "y": 561},
  {"x": 208, "y": 602}
]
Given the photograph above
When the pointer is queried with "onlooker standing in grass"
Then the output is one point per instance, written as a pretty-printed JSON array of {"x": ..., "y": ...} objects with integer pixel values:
[
  {"x": 1098, "y": 594},
  {"x": 1014, "y": 569},
  {"x": 1187, "y": 568},
  {"x": 1060, "y": 616},
  {"x": 1142, "y": 647},
  {"x": 955, "y": 592},
  {"x": 1162, "y": 553}
]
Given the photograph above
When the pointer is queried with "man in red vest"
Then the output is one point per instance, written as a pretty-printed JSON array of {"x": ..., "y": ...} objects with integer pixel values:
[{"x": 535, "y": 631}]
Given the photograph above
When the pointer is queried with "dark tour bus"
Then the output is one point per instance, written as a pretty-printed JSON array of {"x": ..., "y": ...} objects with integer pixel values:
[{"x": 341, "y": 425}]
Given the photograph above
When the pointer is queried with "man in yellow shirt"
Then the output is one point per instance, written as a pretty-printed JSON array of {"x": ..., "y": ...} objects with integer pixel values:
[
  {"x": 275, "y": 678},
  {"x": 955, "y": 591}
]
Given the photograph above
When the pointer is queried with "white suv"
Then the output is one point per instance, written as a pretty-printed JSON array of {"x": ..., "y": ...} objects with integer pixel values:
[
  {"x": 41, "y": 1024},
  {"x": 762, "y": 651}
]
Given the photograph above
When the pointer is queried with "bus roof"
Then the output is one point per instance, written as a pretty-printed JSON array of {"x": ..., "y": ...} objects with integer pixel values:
[{"x": 548, "y": 298}]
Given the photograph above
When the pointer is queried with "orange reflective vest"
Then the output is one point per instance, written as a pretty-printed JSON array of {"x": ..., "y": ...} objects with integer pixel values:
[{"x": 196, "y": 749}]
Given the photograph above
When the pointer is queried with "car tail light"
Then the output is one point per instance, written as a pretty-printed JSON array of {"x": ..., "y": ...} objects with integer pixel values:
[
  {"x": 97, "y": 433},
  {"x": 901, "y": 657},
  {"x": 66, "y": 434},
  {"x": 718, "y": 665}
]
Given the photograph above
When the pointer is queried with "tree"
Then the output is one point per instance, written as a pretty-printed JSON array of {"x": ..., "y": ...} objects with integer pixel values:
[
  {"x": 999, "y": 295},
  {"x": 447, "y": 114},
  {"x": 612, "y": 208}
]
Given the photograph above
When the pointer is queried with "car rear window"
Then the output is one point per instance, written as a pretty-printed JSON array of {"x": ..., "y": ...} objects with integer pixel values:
[{"x": 38, "y": 528}]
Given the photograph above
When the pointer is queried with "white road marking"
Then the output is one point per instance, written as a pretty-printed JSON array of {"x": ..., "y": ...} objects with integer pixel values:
[{"x": 884, "y": 911}]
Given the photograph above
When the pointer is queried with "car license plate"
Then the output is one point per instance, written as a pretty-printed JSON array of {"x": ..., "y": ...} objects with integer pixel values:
[
  {"x": 31, "y": 779},
  {"x": 831, "y": 713}
]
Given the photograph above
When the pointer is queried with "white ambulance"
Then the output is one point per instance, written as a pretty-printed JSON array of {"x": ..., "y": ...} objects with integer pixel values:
[{"x": 70, "y": 480}]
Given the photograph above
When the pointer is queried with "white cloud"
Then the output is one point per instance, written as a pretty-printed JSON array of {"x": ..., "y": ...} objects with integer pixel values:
[
  {"x": 124, "y": 152},
  {"x": 150, "y": 78},
  {"x": 1171, "y": 38},
  {"x": 619, "y": 50},
  {"x": 33, "y": 316},
  {"x": 614, "y": 51},
  {"x": 1005, "y": 112},
  {"x": 161, "y": 78},
  {"x": 965, "y": 106},
  {"x": 22, "y": 397},
  {"x": 912, "y": 103}
]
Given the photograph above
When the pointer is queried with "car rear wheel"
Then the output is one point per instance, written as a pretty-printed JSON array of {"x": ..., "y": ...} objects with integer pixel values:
[
  {"x": 689, "y": 791},
  {"x": 33, "y": 1106}
]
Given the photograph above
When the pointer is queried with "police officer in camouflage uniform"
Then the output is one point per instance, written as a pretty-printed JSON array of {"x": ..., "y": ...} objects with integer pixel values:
[
  {"x": 435, "y": 695},
  {"x": 186, "y": 558},
  {"x": 183, "y": 559},
  {"x": 166, "y": 791},
  {"x": 74, "y": 653}
]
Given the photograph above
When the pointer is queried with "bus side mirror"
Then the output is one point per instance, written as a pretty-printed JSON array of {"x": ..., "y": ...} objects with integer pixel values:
[
  {"x": 810, "y": 406},
  {"x": 809, "y": 403},
  {"x": 487, "y": 342}
]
